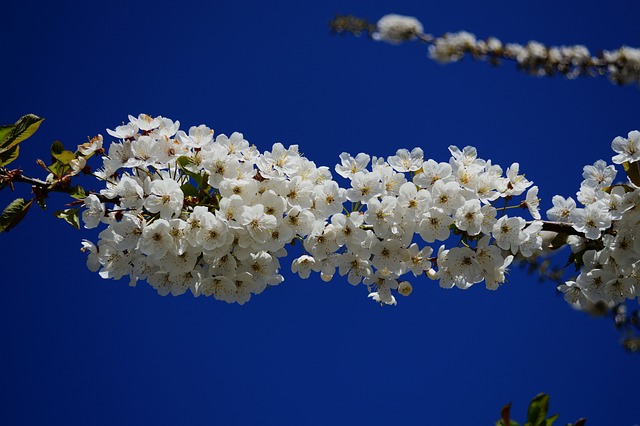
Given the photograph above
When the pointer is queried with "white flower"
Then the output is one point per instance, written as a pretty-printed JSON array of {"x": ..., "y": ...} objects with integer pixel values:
[
  {"x": 434, "y": 225},
  {"x": 92, "y": 258},
  {"x": 461, "y": 263},
  {"x": 395, "y": 29},
  {"x": 562, "y": 208},
  {"x": 198, "y": 137},
  {"x": 488, "y": 218},
  {"x": 213, "y": 233},
  {"x": 244, "y": 286},
  {"x": 303, "y": 266},
  {"x": 447, "y": 196},
  {"x": 167, "y": 127},
  {"x": 364, "y": 187},
  {"x": 220, "y": 287},
  {"x": 419, "y": 259},
  {"x": 356, "y": 267},
  {"x": 391, "y": 180},
  {"x": 145, "y": 122},
  {"x": 599, "y": 175},
  {"x": 517, "y": 182},
  {"x": 280, "y": 161},
  {"x": 321, "y": 245},
  {"x": 495, "y": 277},
  {"x": 383, "y": 297},
  {"x": 389, "y": 257},
  {"x": 244, "y": 186},
  {"x": 77, "y": 165},
  {"x": 412, "y": 201},
  {"x": 533, "y": 239},
  {"x": 300, "y": 221},
  {"x": 350, "y": 166},
  {"x": 145, "y": 151},
  {"x": 347, "y": 229},
  {"x": 508, "y": 233},
  {"x": 591, "y": 221},
  {"x": 181, "y": 281},
  {"x": 263, "y": 267},
  {"x": 533, "y": 202},
  {"x": 628, "y": 149},
  {"x": 234, "y": 145},
  {"x": 620, "y": 288},
  {"x": 92, "y": 146},
  {"x": 431, "y": 173},
  {"x": 405, "y": 161},
  {"x": 380, "y": 214},
  {"x": 219, "y": 164},
  {"x": 115, "y": 263},
  {"x": 573, "y": 293},
  {"x": 298, "y": 192},
  {"x": 126, "y": 131},
  {"x": 469, "y": 217},
  {"x": 165, "y": 197},
  {"x": 258, "y": 223},
  {"x": 467, "y": 158},
  {"x": 273, "y": 203},
  {"x": 156, "y": 240},
  {"x": 130, "y": 192},
  {"x": 487, "y": 185},
  {"x": 129, "y": 229},
  {"x": 616, "y": 202},
  {"x": 452, "y": 46},
  {"x": 329, "y": 198},
  {"x": 94, "y": 211}
]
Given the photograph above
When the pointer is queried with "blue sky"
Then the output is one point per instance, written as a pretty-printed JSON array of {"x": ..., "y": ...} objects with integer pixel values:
[{"x": 80, "y": 350}]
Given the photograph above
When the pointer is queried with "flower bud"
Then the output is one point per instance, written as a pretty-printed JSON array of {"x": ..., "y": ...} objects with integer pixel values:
[
  {"x": 326, "y": 278},
  {"x": 405, "y": 288}
]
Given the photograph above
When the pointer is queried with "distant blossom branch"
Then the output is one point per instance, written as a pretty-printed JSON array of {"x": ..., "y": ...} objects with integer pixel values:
[{"x": 622, "y": 65}]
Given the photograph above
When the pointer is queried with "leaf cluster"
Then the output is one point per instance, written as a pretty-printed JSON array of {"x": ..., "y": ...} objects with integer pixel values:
[{"x": 536, "y": 414}]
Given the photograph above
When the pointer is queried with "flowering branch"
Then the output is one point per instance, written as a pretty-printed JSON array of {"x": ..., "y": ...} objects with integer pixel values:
[{"x": 622, "y": 65}]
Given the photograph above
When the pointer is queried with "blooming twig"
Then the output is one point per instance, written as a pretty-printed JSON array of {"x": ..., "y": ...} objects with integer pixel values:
[{"x": 622, "y": 65}]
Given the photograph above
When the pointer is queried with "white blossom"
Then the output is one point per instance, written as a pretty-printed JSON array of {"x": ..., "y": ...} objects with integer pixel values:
[{"x": 395, "y": 29}]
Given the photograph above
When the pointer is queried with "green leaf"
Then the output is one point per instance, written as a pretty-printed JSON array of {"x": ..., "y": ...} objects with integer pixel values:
[
  {"x": 65, "y": 157},
  {"x": 78, "y": 193},
  {"x": 511, "y": 423},
  {"x": 42, "y": 202},
  {"x": 71, "y": 216},
  {"x": 633, "y": 172},
  {"x": 189, "y": 190},
  {"x": 14, "y": 213},
  {"x": 505, "y": 417},
  {"x": 58, "y": 169},
  {"x": 551, "y": 420},
  {"x": 5, "y": 131},
  {"x": 580, "y": 422},
  {"x": 559, "y": 241},
  {"x": 7, "y": 157},
  {"x": 56, "y": 148},
  {"x": 183, "y": 162},
  {"x": 23, "y": 129},
  {"x": 538, "y": 409}
]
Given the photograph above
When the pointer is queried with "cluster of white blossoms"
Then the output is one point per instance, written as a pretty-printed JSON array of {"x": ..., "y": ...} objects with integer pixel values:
[
  {"x": 402, "y": 203},
  {"x": 191, "y": 212},
  {"x": 213, "y": 216},
  {"x": 608, "y": 250},
  {"x": 622, "y": 65},
  {"x": 397, "y": 28}
]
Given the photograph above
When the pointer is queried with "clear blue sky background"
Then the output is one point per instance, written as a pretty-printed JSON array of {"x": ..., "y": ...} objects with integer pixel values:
[{"x": 77, "y": 350}]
